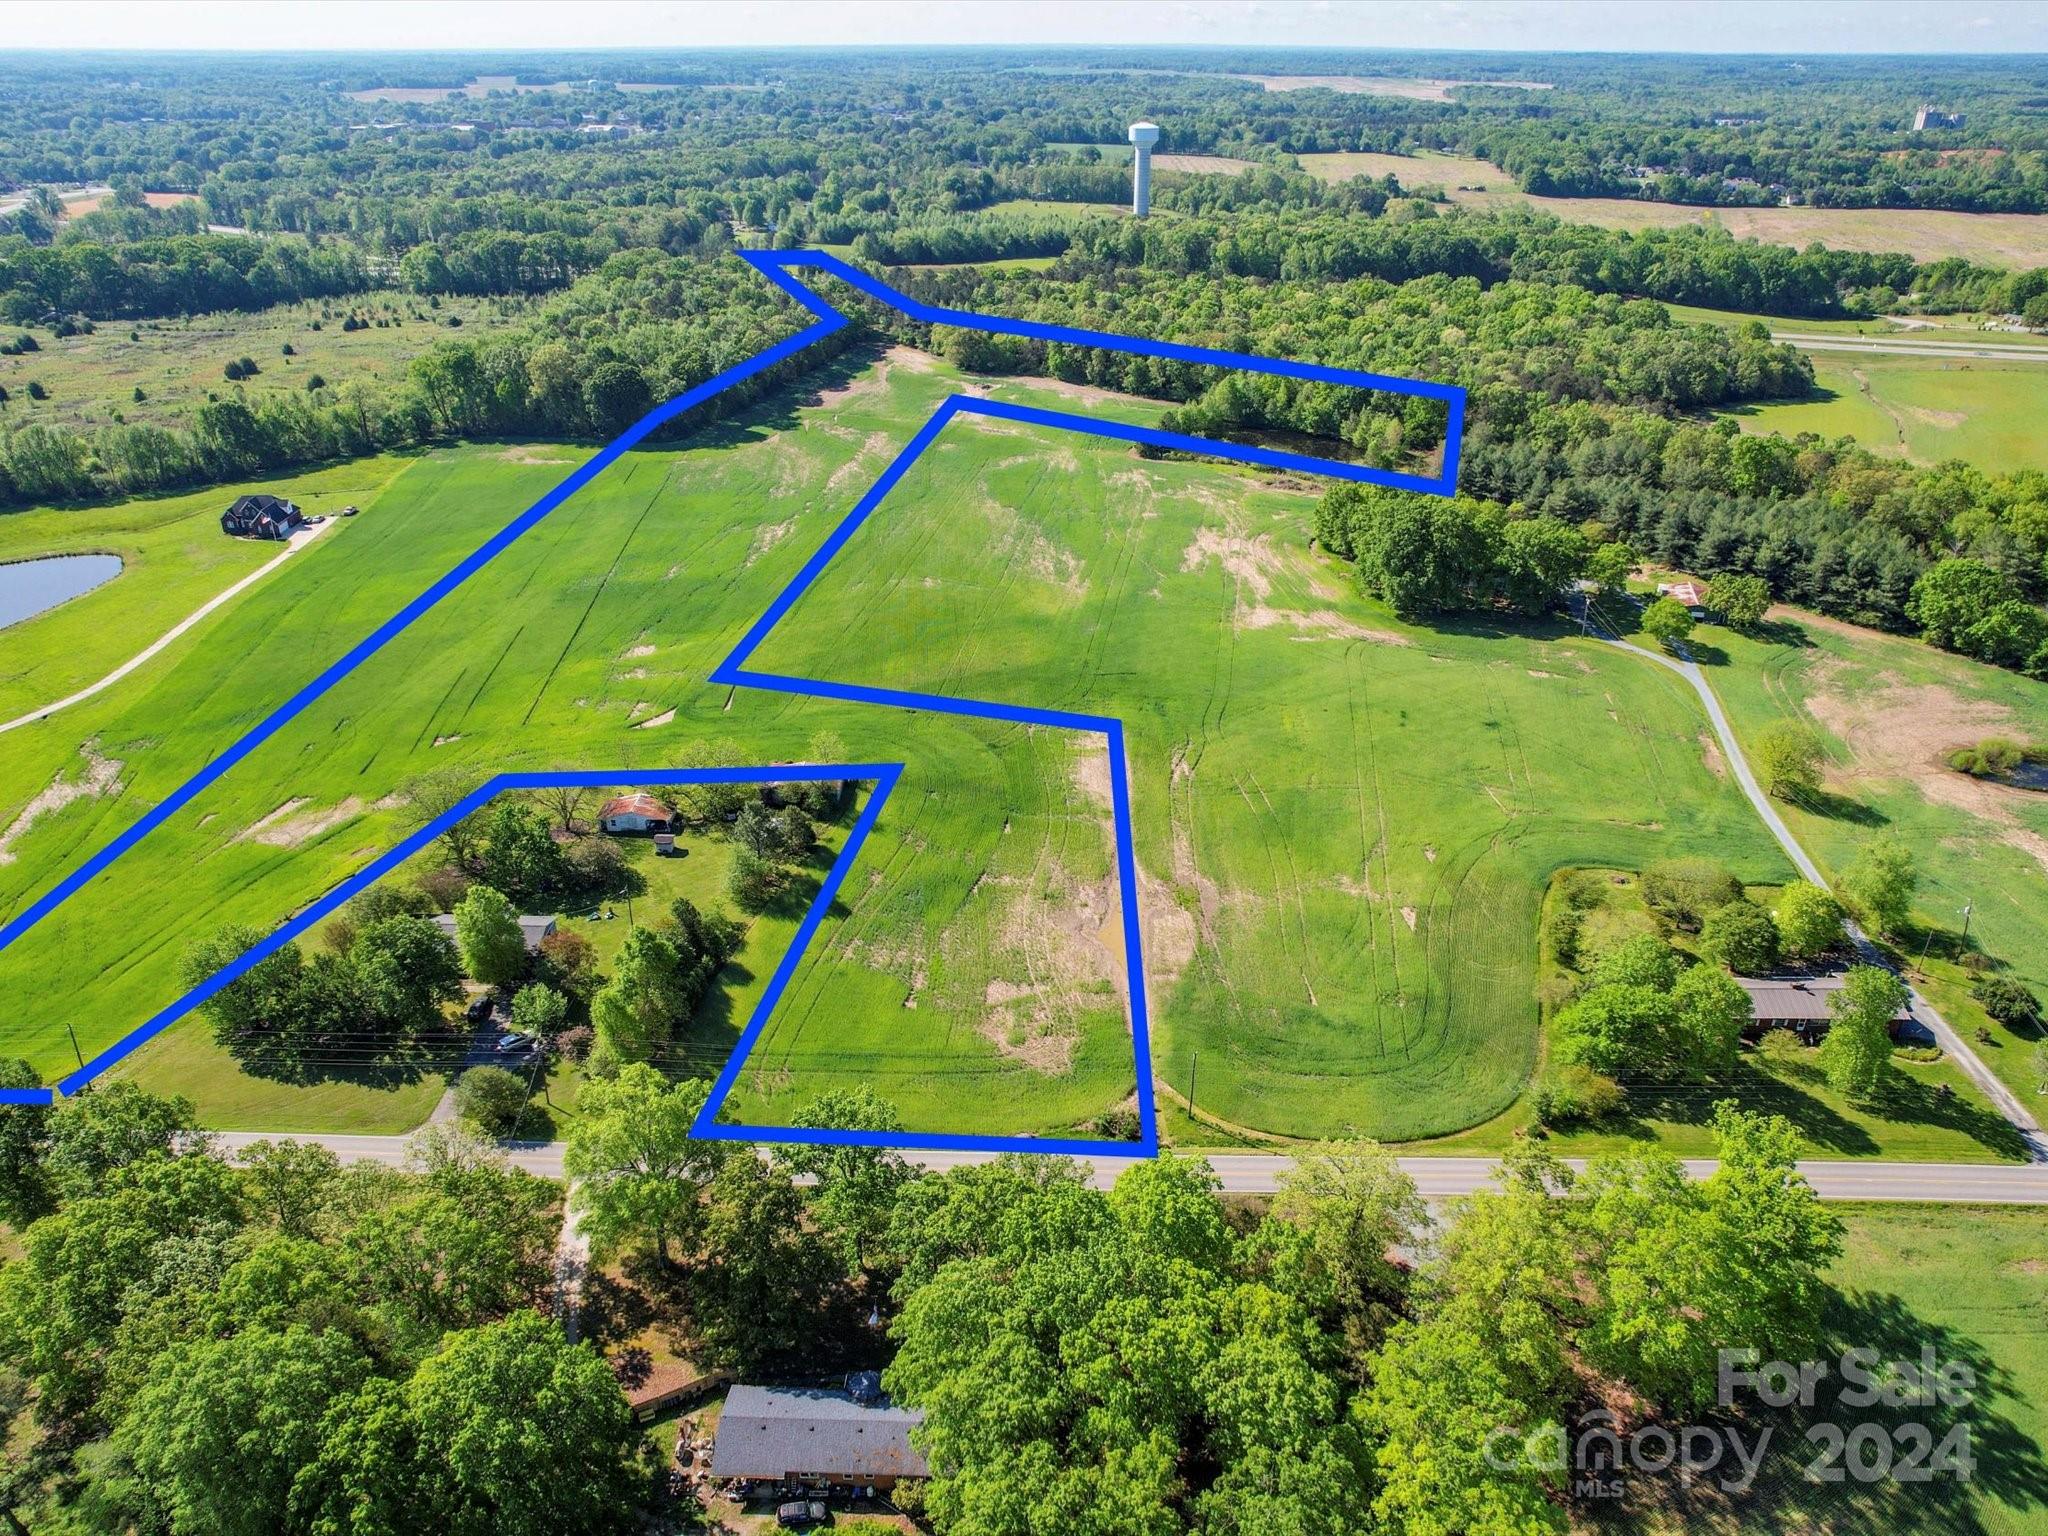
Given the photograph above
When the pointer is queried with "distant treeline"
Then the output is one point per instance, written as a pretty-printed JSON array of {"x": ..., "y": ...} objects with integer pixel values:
[{"x": 1573, "y": 415}]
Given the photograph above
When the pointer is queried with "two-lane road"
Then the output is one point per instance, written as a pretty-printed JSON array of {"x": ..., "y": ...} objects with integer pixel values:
[{"x": 1438, "y": 1178}]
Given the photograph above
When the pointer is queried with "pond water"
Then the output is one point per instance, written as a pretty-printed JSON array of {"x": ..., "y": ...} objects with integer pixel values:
[
  {"x": 30, "y": 587},
  {"x": 2031, "y": 774}
]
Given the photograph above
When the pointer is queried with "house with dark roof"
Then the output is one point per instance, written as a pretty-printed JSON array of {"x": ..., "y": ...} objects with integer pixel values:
[
  {"x": 262, "y": 516},
  {"x": 785, "y": 1435},
  {"x": 1800, "y": 1004}
]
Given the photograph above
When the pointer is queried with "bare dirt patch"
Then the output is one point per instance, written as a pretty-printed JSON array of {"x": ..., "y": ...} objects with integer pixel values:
[
  {"x": 1253, "y": 562},
  {"x": 1710, "y": 750},
  {"x": 639, "y": 651},
  {"x": 661, "y": 719},
  {"x": 1902, "y": 730},
  {"x": 291, "y": 825},
  {"x": 102, "y": 776},
  {"x": 530, "y": 456}
]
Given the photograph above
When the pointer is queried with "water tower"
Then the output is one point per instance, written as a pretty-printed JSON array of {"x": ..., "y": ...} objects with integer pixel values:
[{"x": 1143, "y": 137}]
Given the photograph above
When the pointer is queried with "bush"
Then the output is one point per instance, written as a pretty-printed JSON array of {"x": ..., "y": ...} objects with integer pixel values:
[
  {"x": 575, "y": 1042},
  {"x": 1990, "y": 758},
  {"x": 1568, "y": 1094},
  {"x": 2006, "y": 1000},
  {"x": 1584, "y": 890},
  {"x": 1684, "y": 891},
  {"x": 491, "y": 1099},
  {"x": 36, "y": 390},
  {"x": 753, "y": 883},
  {"x": 445, "y": 887},
  {"x": 1561, "y": 931}
]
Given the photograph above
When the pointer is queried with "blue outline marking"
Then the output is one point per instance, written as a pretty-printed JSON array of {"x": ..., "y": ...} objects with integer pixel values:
[{"x": 777, "y": 266}]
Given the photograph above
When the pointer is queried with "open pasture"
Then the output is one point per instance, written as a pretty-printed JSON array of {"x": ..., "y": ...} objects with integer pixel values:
[
  {"x": 1923, "y": 408},
  {"x": 1890, "y": 709},
  {"x": 1343, "y": 824},
  {"x": 586, "y": 644},
  {"x": 177, "y": 364}
]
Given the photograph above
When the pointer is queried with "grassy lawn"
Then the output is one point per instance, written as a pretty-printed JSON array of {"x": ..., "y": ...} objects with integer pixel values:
[
  {"x": 1343, "y": 824},
  {"x": 174, "y": 559},
  {"x": 178, "y": 363},
  {"x": 370, "y": 1101},
  {"x": 1964, "y": 1281},
  {"x": 1922, "y": 408},
  {"x": 1890, "y": 709}
]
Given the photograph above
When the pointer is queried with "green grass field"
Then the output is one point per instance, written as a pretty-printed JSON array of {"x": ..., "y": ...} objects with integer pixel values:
[
  {"x": 175, "y": 559},
  {"x": 1964, "y": 1281},
  {"x": 178, "y": 363},
  {"x": 1344, "y": 825},
  {"x": 1923, "y": 408},
  {"x": 1889, "y": 709}
]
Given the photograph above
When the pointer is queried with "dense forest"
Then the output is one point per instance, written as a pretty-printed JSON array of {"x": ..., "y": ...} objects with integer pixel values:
[{"x": 286, "y": 1344}]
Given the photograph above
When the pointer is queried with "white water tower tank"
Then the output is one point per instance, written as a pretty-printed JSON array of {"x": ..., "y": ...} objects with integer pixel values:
[{"x": 1143, "y": 137}]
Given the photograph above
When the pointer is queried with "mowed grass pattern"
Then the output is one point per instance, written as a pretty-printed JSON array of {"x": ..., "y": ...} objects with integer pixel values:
[
  {"x": 1343, "y": 823},
  {"x": 587, "y": 644}
]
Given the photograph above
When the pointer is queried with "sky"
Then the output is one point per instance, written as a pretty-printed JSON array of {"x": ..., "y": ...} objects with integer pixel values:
[{"x": 1692, "y": 26}]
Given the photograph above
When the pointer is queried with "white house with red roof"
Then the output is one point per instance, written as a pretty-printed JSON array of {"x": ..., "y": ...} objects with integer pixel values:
[{"x": 636, "y": 813}]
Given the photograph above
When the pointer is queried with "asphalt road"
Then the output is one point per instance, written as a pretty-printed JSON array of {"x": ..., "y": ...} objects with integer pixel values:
[
  {"x": 1985, "y": 352},
  {"x": 1438, "y": 1178},
  {"x": 2002, "y": 1098}
]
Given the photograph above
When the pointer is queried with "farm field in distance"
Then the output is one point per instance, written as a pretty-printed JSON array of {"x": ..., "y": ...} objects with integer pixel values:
[
  {"x": 1996, "y": 239},
  {"x": 1923, "y": 408},
  {"x": 179, "y": 364}
]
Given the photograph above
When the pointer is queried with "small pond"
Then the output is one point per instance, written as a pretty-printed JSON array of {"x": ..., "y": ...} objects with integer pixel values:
[
  {"x": 2030, "y": 774},
  {"x": 30, "y": 587}
]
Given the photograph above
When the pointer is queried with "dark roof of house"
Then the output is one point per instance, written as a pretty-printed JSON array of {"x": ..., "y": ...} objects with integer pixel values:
[
  {"x": 774, "y": 1431},
  {"x": 1796, "y": 997},
  {"x": 260, "y": 503}
]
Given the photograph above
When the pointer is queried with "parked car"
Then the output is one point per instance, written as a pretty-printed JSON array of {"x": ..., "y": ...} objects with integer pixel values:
[
  {"x": 479, "y": 1009},
  {"x": 515, "y": 1042},
  {"x": 801, "y": 1514}
]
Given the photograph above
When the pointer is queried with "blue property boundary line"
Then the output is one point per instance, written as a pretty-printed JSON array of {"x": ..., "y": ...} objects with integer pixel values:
[{"x": 778, "y": 267}]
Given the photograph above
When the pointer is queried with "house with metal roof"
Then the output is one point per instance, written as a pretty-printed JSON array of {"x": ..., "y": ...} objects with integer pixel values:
[
  {"x": 532, "y": 928},
  {"x": 1800, "y": 1004},
  {"x": 788, "y": 1435}
]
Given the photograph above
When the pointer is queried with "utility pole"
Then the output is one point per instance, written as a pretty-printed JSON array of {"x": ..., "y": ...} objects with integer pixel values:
[
  {"x": 1193, "y": 1061},
  {"x": 74, "y": 1045},
  {"x": 1967, "y": 907}
]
